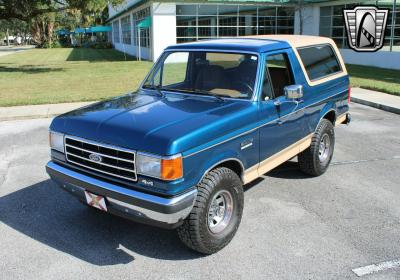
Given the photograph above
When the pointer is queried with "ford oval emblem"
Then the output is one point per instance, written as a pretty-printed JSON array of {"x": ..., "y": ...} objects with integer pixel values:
[{"x": 95, "y": 158}]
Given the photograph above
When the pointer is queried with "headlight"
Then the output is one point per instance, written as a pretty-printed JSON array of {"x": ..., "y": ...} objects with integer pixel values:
[
  {"x": 169, "y": 168},
  {"x": 56, "y": 141}
]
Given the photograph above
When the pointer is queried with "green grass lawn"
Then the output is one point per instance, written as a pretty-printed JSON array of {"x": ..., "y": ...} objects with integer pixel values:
[
  {"x": 384, "y": 80},
  {"x": 41, "y": 76}
]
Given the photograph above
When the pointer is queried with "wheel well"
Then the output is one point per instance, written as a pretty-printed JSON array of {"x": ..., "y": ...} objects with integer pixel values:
[
  {"x": 330, "y": 116},
  {"x": 234, "y": 165}
]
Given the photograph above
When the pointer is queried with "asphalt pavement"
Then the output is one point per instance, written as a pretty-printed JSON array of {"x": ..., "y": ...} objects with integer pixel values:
[{"x": 293, "y": 227}]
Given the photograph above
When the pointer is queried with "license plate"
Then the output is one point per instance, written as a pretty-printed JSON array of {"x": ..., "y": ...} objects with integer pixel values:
[{"x": 96, "y": 201}]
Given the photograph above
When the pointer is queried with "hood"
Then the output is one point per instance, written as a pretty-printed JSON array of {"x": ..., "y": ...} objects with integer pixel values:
[{"x": 161, "y": 125}]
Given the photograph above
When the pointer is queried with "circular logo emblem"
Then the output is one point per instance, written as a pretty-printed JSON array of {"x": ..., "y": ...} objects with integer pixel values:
[{"x": 95, "y": 158}]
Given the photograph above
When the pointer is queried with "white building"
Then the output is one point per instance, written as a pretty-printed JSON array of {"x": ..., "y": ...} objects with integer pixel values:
[{"x": 143, "y": 28}]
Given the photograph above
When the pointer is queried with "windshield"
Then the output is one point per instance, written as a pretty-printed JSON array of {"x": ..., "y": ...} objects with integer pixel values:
[{"x": 205, "y": 73}]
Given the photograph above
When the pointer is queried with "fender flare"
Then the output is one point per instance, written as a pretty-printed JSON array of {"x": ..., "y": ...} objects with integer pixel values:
[
  {"x": 221, "y": 161},
  {"x": 327, "y": 109}
]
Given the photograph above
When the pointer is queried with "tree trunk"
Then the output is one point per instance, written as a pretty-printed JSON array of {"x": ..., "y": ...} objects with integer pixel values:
[
  {"x": 50, "y": 29},
  {"x": 7, "y": 35}
]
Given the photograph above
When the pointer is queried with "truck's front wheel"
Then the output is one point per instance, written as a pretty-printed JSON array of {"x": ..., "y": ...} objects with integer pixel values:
[
  {"x": 216, "y": 214},
  {"x": 316, "y": 159}
]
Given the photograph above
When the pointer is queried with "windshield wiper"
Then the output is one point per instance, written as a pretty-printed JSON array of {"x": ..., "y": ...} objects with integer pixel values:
[
  {"x": 209, "y": 93},
  {"x": 202, "y": 92},
  {"x": 158, "y": 89}
]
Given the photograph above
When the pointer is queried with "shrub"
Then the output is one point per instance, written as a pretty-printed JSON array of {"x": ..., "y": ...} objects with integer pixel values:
[{"x": 101, "y": 45}]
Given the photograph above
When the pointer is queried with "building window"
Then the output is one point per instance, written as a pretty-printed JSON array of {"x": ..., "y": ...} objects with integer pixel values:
[
  {"x": 126, "y": 30},
  {"x": 197, "y": 22},
  {"x": 285, "y": 20},
  {"x": 266, "y": 20},
  {"x": 332, "y": 24},
  {"x": 144, "y": 33},
  {"x": 145, "y": 37},
  {"x": 115, "y": 31},
  {"x": 228, "y": 26}
]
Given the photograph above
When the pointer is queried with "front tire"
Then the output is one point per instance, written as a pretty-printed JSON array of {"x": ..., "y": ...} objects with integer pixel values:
[
  {"x": 315, "y": 160},
  {"x": 216, "y": 214}
]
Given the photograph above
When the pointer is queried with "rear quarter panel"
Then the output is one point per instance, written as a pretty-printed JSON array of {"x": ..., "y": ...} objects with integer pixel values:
[{"x": 323, "y": 95}]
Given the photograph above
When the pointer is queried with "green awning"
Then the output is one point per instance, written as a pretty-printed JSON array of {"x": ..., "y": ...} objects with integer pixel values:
[
  {"x": 79, "y": 30},
  {"x": 145, "y": 23},
  {"x": 99, "y": 28}
]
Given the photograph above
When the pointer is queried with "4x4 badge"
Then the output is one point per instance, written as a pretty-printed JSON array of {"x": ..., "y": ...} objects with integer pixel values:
[{"x": 365, "y": 26}]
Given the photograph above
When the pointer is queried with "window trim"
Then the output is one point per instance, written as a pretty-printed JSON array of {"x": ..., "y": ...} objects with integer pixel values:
[{"x": 322, "y": 77}]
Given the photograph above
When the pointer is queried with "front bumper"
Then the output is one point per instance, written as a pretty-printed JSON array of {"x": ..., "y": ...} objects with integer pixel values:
[{"x": 130, "y": 204}]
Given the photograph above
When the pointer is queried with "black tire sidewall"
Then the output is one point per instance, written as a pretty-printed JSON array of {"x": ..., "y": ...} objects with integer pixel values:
[
  {"x": 216, "y": 239},
  {"x": 328, "y": 129}
]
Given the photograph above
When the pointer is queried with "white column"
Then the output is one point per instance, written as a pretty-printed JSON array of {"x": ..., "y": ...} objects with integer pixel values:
[
  {"x": 132, "y": 28},
  {"x": 164, "y": 27},
  {"x": 120, "y": 31},
  {"x": 214, "y": 28},
  {"x": 249, "y": 23},
  {"x": 310, "y": 21}
]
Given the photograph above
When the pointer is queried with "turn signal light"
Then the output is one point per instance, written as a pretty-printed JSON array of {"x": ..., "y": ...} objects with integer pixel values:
[{"x": 171, "y": 169}]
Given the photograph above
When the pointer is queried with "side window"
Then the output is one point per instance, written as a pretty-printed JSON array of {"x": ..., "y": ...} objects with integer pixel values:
[
  {"x": 279, "y": 69},
  {"x": 175, "y": 68},
  {"x": 319, "y": 61}
]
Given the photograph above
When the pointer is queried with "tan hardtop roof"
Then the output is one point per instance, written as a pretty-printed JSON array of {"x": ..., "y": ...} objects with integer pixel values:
[
  {"x": 299, "y": 41},
  {"x": 296, "y": 41}
]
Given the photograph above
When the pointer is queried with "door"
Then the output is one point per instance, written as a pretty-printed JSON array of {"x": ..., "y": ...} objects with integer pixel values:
[{"x": 283, "y": 118}]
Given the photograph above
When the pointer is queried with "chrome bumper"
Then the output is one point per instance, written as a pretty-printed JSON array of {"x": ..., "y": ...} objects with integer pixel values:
[{"x": 134, "y": 205}]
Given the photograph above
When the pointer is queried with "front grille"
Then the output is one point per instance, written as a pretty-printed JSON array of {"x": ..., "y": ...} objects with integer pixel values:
[{"x": 117, "y": 162}]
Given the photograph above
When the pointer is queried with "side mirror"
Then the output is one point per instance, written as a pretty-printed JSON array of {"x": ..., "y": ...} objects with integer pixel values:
[{"x": 293, "y": 92}]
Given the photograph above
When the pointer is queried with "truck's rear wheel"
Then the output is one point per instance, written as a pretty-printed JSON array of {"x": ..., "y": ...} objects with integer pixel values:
[
  {"x": 316, "y": 159},
  {"x": 216, "y": 214}
]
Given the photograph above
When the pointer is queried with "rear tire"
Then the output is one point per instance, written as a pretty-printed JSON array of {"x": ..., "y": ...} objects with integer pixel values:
[
  {"x": 315, "y": 160},
  {"x": 216, "y": 214}
]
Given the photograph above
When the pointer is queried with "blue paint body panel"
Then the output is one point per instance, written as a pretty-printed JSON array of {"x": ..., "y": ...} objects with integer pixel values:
[{"x": 205, "y": 130}]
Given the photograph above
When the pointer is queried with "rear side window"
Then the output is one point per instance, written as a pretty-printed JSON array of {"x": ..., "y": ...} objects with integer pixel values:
[{"x": 319, "y": 61}]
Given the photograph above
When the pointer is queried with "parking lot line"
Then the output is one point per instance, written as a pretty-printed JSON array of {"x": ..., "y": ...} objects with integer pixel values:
[
  {"x": 373, "y": 268},
  {"x": 363, "y": 160}
]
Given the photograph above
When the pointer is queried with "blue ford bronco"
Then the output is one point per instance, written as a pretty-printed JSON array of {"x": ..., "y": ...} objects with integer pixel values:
[{"x": 210, "y": 117}]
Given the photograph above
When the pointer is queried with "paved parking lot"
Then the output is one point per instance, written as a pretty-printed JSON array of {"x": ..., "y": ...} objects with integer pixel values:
[{"x": 294, "y": 227}]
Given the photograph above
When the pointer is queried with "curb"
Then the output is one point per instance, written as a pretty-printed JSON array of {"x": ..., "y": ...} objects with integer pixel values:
[
  {"x": 353, "y": 99},
  {"x": 376, "y": 105},
  {"x": 43, "y": 111},
  {"x": 32, "y": 117}
]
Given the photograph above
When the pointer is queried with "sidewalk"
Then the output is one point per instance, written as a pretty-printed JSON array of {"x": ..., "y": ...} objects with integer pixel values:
[
  {"x": 379, "y": 100},
  {"x": 371, "y": 98},
  {"x": 6, "y": 50},
  {"x": 38, "y": 111}
]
